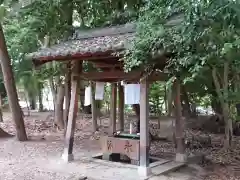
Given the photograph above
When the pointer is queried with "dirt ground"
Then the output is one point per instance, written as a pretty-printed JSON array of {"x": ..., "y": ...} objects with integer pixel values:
[{"x": 39, "y": 158}]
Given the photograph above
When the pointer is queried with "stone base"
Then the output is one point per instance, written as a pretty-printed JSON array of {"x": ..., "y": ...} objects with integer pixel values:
[
  {"x": 106, "y": 156},
  {"x": 144, "y": 172},
  {"x": 181, "y": 157},
  {"x": 67, "y": 157}
]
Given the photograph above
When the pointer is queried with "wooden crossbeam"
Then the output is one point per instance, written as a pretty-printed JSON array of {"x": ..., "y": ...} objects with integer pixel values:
[{"x": 133, "y": 76}]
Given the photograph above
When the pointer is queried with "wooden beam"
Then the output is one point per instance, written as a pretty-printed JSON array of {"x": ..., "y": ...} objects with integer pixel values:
[
  {"x": 98, "y": 56},
  {"x": 113, "y": 107},
  {"x": 121, "y": 106},
  {"x": 69, "y": 137},
  {"x": 106, "y": 65},
  {"x": 179, "y": 124},
  {"x": 109, "y": 75},
  {"x": 158, "y": 76},
  {"x": 132, "y": 76},
  {"x": 144, "y": 169}
]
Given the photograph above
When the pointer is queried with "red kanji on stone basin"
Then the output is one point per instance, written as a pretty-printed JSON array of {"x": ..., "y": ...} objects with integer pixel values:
[{"x": 129, "y": 147}]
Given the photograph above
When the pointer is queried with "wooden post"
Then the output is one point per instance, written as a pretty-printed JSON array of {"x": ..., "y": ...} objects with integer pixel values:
[
  {"x": 67, "y": 93},
  {"x": 94, "y": 108},
  {"x": 121, "y": 106},
  {"x": 69, "y": 137},
  {"x": 113, "y": 107},
  {"x": 179, "y": 124},
  {"x": 144, "y": 169}
]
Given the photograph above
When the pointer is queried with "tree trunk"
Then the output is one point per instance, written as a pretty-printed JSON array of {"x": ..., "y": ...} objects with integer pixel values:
[
  {"x": 53, "y": 90},
  {"x": 28, "y": 108},
  {"x": 169, "y": 101},
  {"x": 10, "y": 86},
  {"x": 1, "y": 115},
  {"x": 237, "y": 88},
  {"x": 58, "y": 115},
  {"x": 238, "y": 109},
  {"x": 224, "y": 103},
  {"x": 40, "y": 100},
  {"x": 187, "y": 107},
  {"x": 227, "y": 118},
  {"x": 32, "y": 103},
  {"x": 165, "y": 99},
  {"x": 82, "y": 96}
]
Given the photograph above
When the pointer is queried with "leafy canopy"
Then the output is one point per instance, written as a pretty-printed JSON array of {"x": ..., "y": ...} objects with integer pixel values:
[{"x": 204, "y": 33}]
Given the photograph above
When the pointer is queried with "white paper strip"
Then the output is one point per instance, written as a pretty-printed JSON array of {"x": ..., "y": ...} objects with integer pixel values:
[
  {"x": 88, "y": 99},
  {"x": 99, "y": 91},
  {"x": 132, "y": 93}
]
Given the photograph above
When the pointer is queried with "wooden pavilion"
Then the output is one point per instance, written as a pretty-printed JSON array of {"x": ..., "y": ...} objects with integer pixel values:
[{"x": 98, "y": 47}]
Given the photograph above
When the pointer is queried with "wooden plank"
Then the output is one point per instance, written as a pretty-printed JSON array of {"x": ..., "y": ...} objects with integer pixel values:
[
  {"x": 121, "y": 106},
  {"x": 144, "y": 118},
  {"x": 113, "y": 108},
  {"x": 69, "y": 137}
]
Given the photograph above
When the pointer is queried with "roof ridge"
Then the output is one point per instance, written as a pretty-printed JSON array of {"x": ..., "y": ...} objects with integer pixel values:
[{"x": 107, "y": 31}]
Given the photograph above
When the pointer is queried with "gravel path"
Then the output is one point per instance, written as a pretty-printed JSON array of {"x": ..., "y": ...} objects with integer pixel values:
[{"x": 39, "y": 158}]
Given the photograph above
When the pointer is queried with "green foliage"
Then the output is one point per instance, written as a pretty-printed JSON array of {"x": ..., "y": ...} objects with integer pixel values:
[
  {"x": 200, "y": 35},
  {"x": 206, "y": 33},
  {"x": 156, "y": 97}
]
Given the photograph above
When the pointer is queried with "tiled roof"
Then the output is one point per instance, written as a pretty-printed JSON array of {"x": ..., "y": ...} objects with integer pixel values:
[
  {"x": 90, "y": 42},
  {"x": 93, "y": 45}
]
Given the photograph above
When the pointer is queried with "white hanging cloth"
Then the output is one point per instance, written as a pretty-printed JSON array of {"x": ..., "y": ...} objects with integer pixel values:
[
  {"x": 99, "y": 91},
  {"x": 132, "y": 93},
  {"x": 88, "y": 99}
]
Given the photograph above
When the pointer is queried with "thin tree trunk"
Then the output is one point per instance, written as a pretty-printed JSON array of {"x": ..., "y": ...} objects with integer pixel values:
[
  {"x": 10, "y": 86},
  {"x": 58, "y": 115}
]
